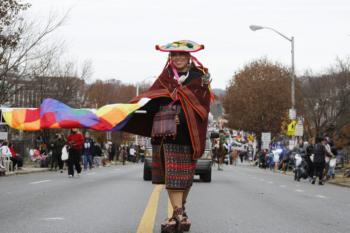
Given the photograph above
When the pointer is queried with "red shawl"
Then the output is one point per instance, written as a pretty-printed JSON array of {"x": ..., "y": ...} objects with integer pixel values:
[{"x": 195, "y": 101}]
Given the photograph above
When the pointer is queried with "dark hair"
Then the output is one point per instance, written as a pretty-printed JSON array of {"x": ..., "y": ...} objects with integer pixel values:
[
  {"x": 319, "y": 139},
  {"x": 174, "y": 53}
]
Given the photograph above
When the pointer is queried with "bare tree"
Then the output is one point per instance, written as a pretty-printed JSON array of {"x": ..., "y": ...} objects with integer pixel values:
[
  {"x": 24, "y": 52},
  {"x": 114, "y": 91},
  {"x": 327, "y": 100}
]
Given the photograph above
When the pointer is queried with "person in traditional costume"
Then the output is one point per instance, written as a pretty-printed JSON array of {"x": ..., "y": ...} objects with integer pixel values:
[{"x": 181, "y": 90}]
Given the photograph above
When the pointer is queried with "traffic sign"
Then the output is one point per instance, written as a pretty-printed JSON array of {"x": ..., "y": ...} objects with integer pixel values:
[{"x": 266, "y": 139}]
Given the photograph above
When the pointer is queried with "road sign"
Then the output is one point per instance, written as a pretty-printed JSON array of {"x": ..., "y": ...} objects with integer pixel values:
[
  {"x": 292, "y": 114},
  {"x": 266, "y": 139},
  {"x": 4, "y": 136},
  {"x": 299, "y": 129},
  {"x": 291, "y": 128}
]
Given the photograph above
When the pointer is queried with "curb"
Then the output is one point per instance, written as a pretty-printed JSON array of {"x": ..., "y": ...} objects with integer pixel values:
[
  {"x": 340, "y": 184},
  {"x": 23, "y": 172},
  {"x": 327, "y": 182}
]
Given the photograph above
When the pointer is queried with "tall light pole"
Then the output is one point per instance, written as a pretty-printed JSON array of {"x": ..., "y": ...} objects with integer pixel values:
[{"x": 291, "y": 40}]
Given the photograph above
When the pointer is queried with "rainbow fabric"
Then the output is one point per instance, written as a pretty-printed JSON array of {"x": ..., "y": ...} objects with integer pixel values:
[{"x": 54, "y": 114}]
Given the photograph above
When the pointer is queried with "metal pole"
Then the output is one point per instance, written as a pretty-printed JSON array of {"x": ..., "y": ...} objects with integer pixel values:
[
  {"x": 137, "y": 93},
  {"x": 293, "y": 85},
  {"x": 293, "y": 75}
]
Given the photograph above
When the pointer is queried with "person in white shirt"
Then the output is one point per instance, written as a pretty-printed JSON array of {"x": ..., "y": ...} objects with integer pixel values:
[{"x": 5, "y": 150}]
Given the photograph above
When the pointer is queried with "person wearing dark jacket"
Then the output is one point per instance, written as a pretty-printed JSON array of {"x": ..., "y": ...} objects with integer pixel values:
[
  {"x": 309, "y": 153},
  {"x": 56, "y": 146},
  {"x": 319, "y": 160},
  {"x": 88, "y": 151},
  {"x": 97, "y": 153}
]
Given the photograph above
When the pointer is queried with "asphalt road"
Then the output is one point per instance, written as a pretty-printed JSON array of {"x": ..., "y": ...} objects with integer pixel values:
[{"x": 115, "y": 199}]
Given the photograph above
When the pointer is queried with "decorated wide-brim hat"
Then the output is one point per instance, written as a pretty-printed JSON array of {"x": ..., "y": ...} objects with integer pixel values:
[{"x": 181, "y": 46}]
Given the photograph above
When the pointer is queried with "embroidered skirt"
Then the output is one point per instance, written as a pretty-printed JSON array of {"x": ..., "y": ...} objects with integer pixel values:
[{"x": 173, "y": 166}]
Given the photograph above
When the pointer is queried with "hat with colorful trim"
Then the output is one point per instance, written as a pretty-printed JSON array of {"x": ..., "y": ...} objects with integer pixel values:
[{"x": 181, "y": 46}]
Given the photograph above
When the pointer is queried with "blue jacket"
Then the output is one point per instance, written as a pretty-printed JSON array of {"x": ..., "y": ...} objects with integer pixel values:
[{"x": 88, "y": 146}]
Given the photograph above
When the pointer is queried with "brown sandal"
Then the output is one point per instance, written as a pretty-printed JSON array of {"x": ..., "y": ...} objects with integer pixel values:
[
  {"x": 170, "y": 226},
  {"x": 185, "y": 222}
]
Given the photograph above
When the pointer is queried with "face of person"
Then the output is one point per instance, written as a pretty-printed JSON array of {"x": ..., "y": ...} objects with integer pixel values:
[{"x": 180, "y": 60}]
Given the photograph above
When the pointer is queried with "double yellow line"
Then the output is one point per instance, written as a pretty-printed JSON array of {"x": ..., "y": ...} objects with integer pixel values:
[{"x": 149, "y": 215}]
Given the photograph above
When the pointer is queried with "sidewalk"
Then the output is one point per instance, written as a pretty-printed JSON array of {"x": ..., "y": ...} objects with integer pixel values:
[
  {"x": 340, "y": 181},
  {"x": 31, "y": 169},
  {"x": 26, "y": 170}
]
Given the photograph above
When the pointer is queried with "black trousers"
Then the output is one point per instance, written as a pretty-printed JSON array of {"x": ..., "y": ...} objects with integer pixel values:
[
  {"x": 318, "y": 170},
  {"x": 310, "y": 166},
  {"x": 14, "y": 162},
  {"x": 74, "y": 161},
  {"x": 56, "y": 160}
]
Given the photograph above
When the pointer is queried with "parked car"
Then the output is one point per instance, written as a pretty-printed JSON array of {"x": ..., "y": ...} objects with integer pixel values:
[
  {"x": 203, "y": 166},
  {"x": 204, "y": 163}
]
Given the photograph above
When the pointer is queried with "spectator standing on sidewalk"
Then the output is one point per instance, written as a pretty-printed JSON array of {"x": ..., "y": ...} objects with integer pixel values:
[
  {"x": 88, "y": 151},
  {"x": 142, "y": 153},
  {"x": 310, "y": 154},
  {"x": 56, "y": 146},
  {"x": 111, "y": 151},
  {"x": 97, "y": 153},
  {"x": 319, "y": 160},
  {"x": 117, "y": 152},
  {"x": 329, "y": 155},
  {"x": 75, "y": 141},
  {"x": 123, "y": 153},
  {"x": 5, "y": 152},
  {"x": 132, "y": 153},
  {"x": 16, "y": 160}
]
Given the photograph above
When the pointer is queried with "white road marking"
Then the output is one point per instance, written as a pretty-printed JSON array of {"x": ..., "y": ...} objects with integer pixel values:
[
  {"x": 270, "y": 182},
  {"x": 299, "y": 190},
  {"x": 283, "y": 186},
  {"x": 54, "y": 218},
  {"x": 321, "y": 196},
  {"x": 41, "y": 181},
  {"x": 92, "y": 173}
]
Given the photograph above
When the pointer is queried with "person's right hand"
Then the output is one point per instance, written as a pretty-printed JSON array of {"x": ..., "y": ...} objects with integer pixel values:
[{"x": 177, "y": 120}]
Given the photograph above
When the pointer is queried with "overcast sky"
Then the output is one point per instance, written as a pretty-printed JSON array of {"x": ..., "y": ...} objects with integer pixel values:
[{"x": 119, "y": 36}]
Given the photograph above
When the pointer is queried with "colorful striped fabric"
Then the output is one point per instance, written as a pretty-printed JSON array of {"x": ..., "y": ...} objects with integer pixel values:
[{"x": 54, "y": 114}]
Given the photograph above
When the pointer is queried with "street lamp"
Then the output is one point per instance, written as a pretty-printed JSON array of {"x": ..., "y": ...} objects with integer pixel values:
[{"x": 291, "y": 40}]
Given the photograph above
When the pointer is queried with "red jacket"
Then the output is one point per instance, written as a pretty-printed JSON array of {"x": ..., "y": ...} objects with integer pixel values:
[
  {"x": 76, "y": 140},
  {"x": 13, "y": 152}
]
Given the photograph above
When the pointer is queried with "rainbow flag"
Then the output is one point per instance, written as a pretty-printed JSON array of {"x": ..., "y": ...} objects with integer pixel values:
[{"x": 54, "y": 114}]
